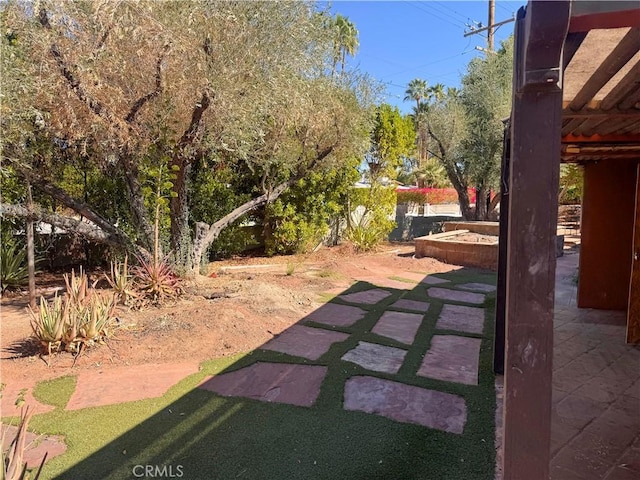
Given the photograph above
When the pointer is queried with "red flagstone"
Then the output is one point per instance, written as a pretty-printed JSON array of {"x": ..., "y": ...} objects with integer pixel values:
[
  {"x": 293, "y": 384},
  {"x": 306, "y": 342},
  {"x": 336, "y": 315},
  {"x": 431, "y": 280},
  {"x": 452, "y": 358},
  {"x": 378, "y": 358},
  {"x": 126, "y": 384},
  {"x": 406, "y": 403},
  {"x": 461, "y": 318},
  {"x": 478, "y": 287},
  {"x": 10, "y": 394},
  {"x": 400, "y": 326},
  {"x": 414, "y": 305},
  {"x": 456, "y": 295},
  {"x": 368, "y": 297},
  {"x": 35, "y": 446}
]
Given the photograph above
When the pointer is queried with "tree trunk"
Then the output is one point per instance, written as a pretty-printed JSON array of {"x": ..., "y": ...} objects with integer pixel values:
[
  {"x": 481, "y": 203},
  {"x": 205, "y": 234},
  {"x": 31, "y": 262},
  {"x": 136, "y": 200}
]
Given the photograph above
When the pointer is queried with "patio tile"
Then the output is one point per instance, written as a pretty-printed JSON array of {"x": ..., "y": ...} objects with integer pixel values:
[
  {"x": 378, "y": 358},
  {"x": 306, "y": 342},
  {"x": 399, "y": 326},
  {"x": 406, "y": 403},
  {"x": 431, "y": 280},
  {"x": 414, "y": 305},
  {"x": 292, "y": 384},
  {"x": 587, "y": 455},
  {"x": 453, "y": 359},
  {"x": 126, "y": 384},
  {"x": 603, "y": 389},
  {"x": 577, "y": 411},
  {"x": 456, "y": 295},
  {"x": 478, "y": 287},
  {"x": 336, "y": 315},
  {"x": 461, "y": 318},
  {"x": 368, "y": 297}
]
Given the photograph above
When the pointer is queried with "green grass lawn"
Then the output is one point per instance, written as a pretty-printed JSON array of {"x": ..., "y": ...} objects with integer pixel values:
[{"x": 196, "y": 434}]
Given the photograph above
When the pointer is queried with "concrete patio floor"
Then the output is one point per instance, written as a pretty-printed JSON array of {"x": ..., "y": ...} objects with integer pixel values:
[{"x": 595, "y": 429}]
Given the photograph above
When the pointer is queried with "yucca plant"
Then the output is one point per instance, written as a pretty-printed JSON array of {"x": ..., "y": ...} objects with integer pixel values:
[
  {"x": 49, "y": 322},
  {"x": 13, "y": 266},
  {"x": 156, "y": 281}
]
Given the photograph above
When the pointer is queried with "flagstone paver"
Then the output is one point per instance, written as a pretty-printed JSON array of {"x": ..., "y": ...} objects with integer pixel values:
[
  {"x": 10, "y": 395},
  {"x": 400, "y": 326},
  {"x": 306, "y": 342},
  {"x": 378, "y": 358},
  {"x": 414, "y": 305},
  {"x": 271, "y": 382},
  {"x": 36, "y": 445},
  {"x": 406, "y": 403},
  {"x": 461, "y": 318},
  {"x": 391, "y": 283},
  {"x": 368, "y": 297},
  {"x": 456, "y": 295},
  {"x": 478, "y": 287},
  {"x": 452, "y": 358},
  {"x": 126, "y": 384},
  {"x": 336, "y": 315},
  {"x": 431, "y": 280}
]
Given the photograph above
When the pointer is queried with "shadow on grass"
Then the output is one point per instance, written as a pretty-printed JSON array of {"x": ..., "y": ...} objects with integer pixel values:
[{"x": 193, "y": 433}]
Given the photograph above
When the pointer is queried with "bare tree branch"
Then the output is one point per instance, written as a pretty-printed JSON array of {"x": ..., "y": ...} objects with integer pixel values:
[
  {"x": 76, "y": 205},
  {"x": 69, "y": 224},
  {"x": 151, "y": 95}
]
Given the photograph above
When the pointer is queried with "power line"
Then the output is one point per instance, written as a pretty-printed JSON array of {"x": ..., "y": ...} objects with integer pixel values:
[
  {"x": 444, "y": 5},
  {"x": 436, "y": 9},
  {"x": 444, "y": 19},
  {"x": 427, "y": 64}
]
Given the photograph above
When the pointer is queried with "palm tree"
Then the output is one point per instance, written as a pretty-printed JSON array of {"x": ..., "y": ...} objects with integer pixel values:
[
  {"x": 437, "y": 91},
  {"x": 417, "y": 90},
  {"x": 453, "y": 92},
  {"x": 345, "y": 42}
]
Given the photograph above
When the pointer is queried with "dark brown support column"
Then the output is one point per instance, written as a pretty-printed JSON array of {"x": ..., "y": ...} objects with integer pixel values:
[
  {"x": 533, "y": 209},
  {"x": 501, "y": 294}
]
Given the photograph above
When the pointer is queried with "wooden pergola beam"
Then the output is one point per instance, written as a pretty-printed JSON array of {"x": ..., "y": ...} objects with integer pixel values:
[{"x": 536, "y": 119}]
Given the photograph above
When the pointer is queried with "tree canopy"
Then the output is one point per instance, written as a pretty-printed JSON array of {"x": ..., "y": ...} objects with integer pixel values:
[{"x": 143, "y": 91}]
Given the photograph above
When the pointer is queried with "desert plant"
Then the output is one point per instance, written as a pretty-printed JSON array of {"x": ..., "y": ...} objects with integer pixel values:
[
  {"x": 122, "y": 283},
  {"x": 12, "y": 458},
  {"x": 71, "y": 322},
  {"x": 13, "y": 266},
  {"x": 98, "y": 315},
  {"x": 49, "y": 321},
  {"x": 156, "y": 281}
]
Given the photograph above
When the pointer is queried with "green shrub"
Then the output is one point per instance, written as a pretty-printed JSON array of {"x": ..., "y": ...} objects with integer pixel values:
[{"x": 370, "y": 222}]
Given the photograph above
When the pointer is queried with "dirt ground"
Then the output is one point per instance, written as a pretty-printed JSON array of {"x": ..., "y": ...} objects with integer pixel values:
[{"x": 240, "y": 305}]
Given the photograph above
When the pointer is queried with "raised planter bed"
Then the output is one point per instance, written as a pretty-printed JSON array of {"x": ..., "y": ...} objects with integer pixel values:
[{"x": 461, "y": 247}]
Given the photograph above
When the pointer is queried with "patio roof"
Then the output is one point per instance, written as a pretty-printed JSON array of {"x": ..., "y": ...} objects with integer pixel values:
[{"x": 601, "y": 82}]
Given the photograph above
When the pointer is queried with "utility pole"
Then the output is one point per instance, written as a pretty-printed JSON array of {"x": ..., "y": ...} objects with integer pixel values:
[
  {"x": 490, "y": 29},
  {"x": 492, "y": 14}
]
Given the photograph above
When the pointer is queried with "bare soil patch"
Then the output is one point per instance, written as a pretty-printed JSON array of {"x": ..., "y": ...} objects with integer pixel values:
[{"x": 228, "y": 311}]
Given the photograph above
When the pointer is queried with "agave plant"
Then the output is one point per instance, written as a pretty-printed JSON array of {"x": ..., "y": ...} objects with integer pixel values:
[
  {"x": 13, "y": 266},
  {"x": 49, "y": 322},
  {"x": 99, "y": 315},
  {"x": 13, "y": 465},
  {"x": 77, "y": 287},
  {"x": 156, "y": 280},
  {"x": 122, "y": 282}
]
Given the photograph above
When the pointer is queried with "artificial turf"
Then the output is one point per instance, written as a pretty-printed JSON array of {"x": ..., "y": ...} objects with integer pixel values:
[{"x": 212, "y": 437}]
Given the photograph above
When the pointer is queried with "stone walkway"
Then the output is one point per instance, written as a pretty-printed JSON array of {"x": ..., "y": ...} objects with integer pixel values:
[
  {"x": 337, "y": 329},
  {"x": 373, "y": 329}
]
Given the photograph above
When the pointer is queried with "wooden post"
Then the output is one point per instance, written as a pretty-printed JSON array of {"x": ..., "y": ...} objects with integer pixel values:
[
  {"x": 501, "y": 307},
  {"x": 633, "y": 312},
  {"x": 531, "y": 242}
]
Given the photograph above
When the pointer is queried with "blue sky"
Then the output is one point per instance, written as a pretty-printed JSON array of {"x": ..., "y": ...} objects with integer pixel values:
[{"x": 402, "y": 40}]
